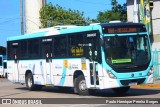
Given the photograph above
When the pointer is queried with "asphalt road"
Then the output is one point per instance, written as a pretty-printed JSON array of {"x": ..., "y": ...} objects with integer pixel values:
[{"x": 10, "y": 90}]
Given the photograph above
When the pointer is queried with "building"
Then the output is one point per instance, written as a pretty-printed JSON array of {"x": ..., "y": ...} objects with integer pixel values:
[
  {"x": 32, "y": 15},
  {"x": 155, "y": 19}
]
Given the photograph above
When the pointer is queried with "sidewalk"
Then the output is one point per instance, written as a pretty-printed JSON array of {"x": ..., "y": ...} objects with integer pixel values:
[{"x": 155, "y": 85}]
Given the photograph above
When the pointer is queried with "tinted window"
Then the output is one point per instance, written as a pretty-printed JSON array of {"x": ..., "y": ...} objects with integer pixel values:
[
  {"x": 33, "y": 48},
  {"x": 12, "y": 50},
  {"x": 60, "y": 47},
  {"x": 76, "y": 43},
  {"x": 23, "y": 49},
  {"x": 47, "y": 47}
]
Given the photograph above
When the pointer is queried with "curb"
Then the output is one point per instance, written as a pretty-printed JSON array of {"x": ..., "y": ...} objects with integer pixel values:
[{"x": 147, "y": 86}]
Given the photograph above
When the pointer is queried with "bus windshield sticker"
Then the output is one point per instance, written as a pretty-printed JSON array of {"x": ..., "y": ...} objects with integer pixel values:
[
  {"x": 14, "y": 44},
  {"x": 131, "y": 39},
  {"x": 91, "y": 35},
  {"x": 77, "y": 51},
  {"x": 117, "y": 61}
]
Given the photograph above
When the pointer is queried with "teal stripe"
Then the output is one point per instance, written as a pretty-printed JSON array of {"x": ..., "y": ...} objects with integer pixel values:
[{"x": 61, "y": 83}]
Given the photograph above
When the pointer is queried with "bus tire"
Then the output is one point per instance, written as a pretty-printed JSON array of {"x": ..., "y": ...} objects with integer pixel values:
[
  {"x": 30, "y": 83},
  {"x": 121, "y": 90},
  {"x": 80, "y": 85}
]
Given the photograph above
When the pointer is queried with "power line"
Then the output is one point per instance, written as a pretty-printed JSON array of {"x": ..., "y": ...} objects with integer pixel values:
[
  {"x": 9, "y": 17},
  {"x": 4, "y": 22},
  {"x": 8, "y": 30}
]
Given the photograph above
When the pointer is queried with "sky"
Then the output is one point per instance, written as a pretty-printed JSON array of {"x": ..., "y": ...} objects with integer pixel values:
[{"x": 10, "y": 13}]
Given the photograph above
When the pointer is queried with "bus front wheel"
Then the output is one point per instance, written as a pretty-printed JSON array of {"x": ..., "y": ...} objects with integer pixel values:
[
  {"x": 80, "y": 85},
  {"x": 121, "y": 90},
  {"x": 30, "y": 83}
]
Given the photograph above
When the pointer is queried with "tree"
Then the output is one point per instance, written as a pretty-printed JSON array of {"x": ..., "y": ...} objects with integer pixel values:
[
  {"x": 118, "y": 12},
  {"x": 56, "y": 15}
]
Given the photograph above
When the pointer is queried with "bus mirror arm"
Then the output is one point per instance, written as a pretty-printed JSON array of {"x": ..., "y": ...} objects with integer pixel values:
[{"x": 101, "y": 42}]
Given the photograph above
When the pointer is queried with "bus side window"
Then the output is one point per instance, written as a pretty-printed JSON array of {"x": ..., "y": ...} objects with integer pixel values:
[
  {"x": 23, "y": 50},
  {"x": 60, "y": 46},
  {"x": 76, "y": 48},
  {"x": 33, "y": 48}
]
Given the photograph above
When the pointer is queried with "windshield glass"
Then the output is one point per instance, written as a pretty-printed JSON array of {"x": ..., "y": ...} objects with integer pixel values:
[{"x": 127, "y": 50}]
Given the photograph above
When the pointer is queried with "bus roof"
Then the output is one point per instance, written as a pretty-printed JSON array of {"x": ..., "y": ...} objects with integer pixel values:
[
  {"x": 66, "y": 30},
  {"x": 53, "y": 31}
]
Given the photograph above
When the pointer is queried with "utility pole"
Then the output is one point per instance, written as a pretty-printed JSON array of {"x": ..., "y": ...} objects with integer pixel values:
[
  {"x": 22, "y": 16},
  {"x": 135, "y": 12}
]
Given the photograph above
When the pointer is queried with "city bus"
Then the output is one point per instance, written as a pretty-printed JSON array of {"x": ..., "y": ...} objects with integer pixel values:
[
  {"x": 3, "y": 66},
  {"x": 86, "y": 58}
]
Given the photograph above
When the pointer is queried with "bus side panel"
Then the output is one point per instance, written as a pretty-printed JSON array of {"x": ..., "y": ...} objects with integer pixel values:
[
  {"x": 1, "y": 71},
  {"x": 34, "y": 67},
  {"x": 37, "y": 68},
  {"x": 58, "y": 72},
  {"x": 64, "y": 71},
  {"x": 10, "y": 70}
]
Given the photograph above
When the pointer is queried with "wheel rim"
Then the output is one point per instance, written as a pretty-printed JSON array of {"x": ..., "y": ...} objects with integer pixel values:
[
  {"x": 82, "y": 85},
  {"x": 29, "y": 82}
]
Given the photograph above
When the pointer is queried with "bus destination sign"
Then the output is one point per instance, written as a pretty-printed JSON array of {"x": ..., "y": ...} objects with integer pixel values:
[{"x": 122, "y": 30}]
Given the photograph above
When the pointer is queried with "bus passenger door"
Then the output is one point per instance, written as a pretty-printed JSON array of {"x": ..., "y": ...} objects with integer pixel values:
[
  {"x": 93, "y": 51},
  {"x": 15, "y": 47},
  {"x": 47, "y": 54}
]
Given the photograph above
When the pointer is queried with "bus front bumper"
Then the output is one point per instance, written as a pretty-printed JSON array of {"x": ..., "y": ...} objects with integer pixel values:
[{"x": 114, "y": 83}]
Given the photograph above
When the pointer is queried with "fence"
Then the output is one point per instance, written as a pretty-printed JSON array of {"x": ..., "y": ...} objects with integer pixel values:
[{"x": 156, "y": 63}]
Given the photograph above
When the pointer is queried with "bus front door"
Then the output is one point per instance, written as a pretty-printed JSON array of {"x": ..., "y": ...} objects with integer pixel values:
[
  {"x": 47, "y": 71},
  {"x": 93, "y": 64},
  {"x": 16, "y": 62}
]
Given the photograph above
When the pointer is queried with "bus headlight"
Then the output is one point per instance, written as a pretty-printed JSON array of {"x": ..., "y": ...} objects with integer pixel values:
[
  {"x": 111, "y": 75},
  {"x": 150, "y": 71}
]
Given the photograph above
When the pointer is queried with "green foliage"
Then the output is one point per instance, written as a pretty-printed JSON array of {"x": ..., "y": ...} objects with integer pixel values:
[
  {"x": 56, "y": 15},
  {"x": 118, "y": 12}
]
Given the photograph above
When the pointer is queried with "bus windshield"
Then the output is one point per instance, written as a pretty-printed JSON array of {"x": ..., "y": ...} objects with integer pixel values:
[{"x": 127, "y": 50}]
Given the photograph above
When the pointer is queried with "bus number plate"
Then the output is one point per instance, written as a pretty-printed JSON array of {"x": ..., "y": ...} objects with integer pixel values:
[{"x": 132, "y": 83}]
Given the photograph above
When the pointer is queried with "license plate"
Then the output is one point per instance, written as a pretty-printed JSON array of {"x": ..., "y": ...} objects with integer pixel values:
[{"x": 132, "y": 83}]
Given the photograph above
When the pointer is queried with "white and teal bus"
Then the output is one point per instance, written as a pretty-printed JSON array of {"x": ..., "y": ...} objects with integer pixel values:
[
  {"x": 87, "y": 58},
  {"x": 3, "y": 66}
]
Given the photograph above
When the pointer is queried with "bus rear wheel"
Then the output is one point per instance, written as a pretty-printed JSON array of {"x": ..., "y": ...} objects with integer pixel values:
[
  {"x": 30, "y": 83},
  {"x": 121, "y": 90},
  {"x": 80, "y": 86}
]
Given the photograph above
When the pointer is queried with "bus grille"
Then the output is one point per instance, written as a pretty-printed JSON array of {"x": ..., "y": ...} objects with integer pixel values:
[{"x": 138, "y": 81}]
